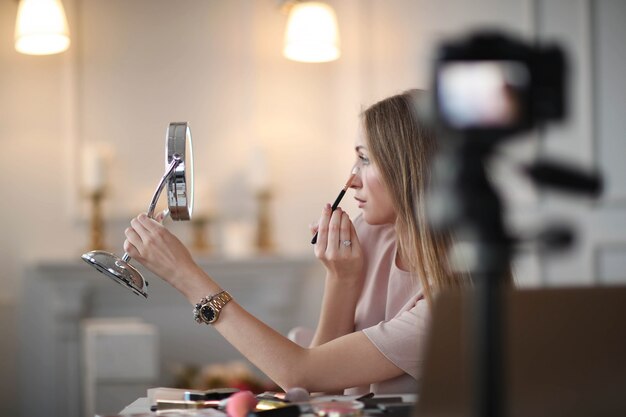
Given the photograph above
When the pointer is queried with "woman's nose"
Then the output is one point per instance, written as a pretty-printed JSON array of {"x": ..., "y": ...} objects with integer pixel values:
[{"x": 356, "y": 181}]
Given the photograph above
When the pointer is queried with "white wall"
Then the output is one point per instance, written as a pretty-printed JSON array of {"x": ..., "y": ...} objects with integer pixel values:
[
  {"x": 134, "y": 66},
  {"x": 32, "y": 182}
]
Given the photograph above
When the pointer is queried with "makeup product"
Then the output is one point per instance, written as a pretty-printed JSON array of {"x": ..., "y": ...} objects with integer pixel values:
[
  {"x": 340, "y": 196},
  {"x": 277, "y": 407},
  {"x": 365, "y": 396},
  {"x": 212, "y": 394},
  {"x": 270, "y": 403},
  {"x": 337, "y": 408},
  {"x": 240, "y": 404},
  {"x": 297, "y": 395},
  {"x": 293, "y": 410},
  {"x": 272, "y": 394},
  {"x": 397, "y": 409},
  {"x": 245, "y": 404},
  {"x": 184, "y": 405},
  {"x": 375, "y": 402}
]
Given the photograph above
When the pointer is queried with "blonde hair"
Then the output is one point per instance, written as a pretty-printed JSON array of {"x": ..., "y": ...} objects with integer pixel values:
[{"x": 403, "y": 149}]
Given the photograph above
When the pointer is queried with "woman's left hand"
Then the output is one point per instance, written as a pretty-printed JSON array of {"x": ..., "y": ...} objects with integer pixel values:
[{"x": 338, "y": 245}]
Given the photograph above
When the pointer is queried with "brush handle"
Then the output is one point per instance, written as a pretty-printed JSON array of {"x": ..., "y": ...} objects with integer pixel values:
[{"x": 332, "y": 208}]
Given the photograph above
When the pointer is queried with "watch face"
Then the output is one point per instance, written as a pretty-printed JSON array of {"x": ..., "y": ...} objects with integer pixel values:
[{"x": 207, "y": 313}]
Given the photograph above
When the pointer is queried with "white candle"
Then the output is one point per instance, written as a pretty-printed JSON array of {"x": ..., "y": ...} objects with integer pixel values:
[
  {"x": 205, "y": 197},
  {"x": 94, "y": 168},
  {"x": 259, "y": 170}
]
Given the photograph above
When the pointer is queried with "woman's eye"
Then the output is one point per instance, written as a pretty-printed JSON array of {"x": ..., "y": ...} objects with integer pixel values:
[{"x": 364, "y": 160}]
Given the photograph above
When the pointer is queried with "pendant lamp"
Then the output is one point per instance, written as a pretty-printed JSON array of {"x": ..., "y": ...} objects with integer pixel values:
[
  {"x": 312, "y": 34},
  {"x": 41, "y": 27}
]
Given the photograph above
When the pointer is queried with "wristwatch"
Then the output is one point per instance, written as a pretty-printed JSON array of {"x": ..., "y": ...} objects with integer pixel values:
[{"x": 208, "y": 309}]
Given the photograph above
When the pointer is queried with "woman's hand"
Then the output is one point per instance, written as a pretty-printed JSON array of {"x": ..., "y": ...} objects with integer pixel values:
[
  {"x": 339, "y": 249},
  {"x": 155, "y": 247},
  {"x": 338, "y": 246}
]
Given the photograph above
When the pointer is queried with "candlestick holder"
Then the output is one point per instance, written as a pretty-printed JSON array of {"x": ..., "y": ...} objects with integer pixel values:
[
  {"x": 201, "y": 234},
  {"x": 96, "y": 219},
  {"x": 264, "y": 242}
]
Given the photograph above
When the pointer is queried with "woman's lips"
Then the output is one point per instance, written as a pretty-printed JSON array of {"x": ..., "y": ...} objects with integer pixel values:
[{"x": 361, "y": 202}]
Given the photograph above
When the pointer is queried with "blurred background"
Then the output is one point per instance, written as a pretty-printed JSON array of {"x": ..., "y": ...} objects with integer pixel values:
[{"x": 261, "y": 123}]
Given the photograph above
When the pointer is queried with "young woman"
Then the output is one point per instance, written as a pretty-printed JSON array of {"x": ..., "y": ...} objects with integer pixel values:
[{"x": 381, "y": 271}]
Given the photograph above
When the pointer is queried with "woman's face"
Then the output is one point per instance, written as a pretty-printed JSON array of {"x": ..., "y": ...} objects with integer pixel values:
[{"x": 369, "y": 192}]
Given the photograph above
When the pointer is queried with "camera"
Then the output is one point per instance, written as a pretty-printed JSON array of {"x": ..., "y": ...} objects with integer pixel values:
[
  {"x": 487, "y": 87},
  {"x": 490, "y": 85}
]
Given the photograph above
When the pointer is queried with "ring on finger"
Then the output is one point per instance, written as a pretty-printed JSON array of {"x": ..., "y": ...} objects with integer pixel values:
[{"x": 346, "y": 243}]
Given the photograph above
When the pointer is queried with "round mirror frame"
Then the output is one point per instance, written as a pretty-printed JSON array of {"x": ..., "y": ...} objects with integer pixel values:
[{"x": 180, "y": 184}]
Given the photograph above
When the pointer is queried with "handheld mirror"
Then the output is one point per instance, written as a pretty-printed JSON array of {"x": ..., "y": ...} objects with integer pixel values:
[{"x": 178, "y": 179}]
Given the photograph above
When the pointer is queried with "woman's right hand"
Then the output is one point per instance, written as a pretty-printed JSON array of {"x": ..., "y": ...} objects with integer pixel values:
[
  {"x": 338, "y": 245},
  {"x": 156, "y": 248}
]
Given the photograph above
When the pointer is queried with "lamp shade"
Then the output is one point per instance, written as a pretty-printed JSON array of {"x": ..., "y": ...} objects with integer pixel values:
[
  {"x": 41, "y": 27},
  {"x": 312, "y": 34}
]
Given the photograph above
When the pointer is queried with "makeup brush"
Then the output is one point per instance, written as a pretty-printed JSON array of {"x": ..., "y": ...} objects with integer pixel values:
[
  {"x": 297, "y": 395},
  {"x": 340, "y": 196},
  {"x": 240, "y": 404}
]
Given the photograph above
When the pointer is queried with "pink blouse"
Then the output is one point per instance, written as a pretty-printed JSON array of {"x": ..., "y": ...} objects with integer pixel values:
[{"x": 392, "y": 311}]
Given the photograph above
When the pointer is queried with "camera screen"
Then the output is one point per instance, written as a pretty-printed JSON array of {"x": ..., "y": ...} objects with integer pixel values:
[{"x": 482, "y": 94}]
